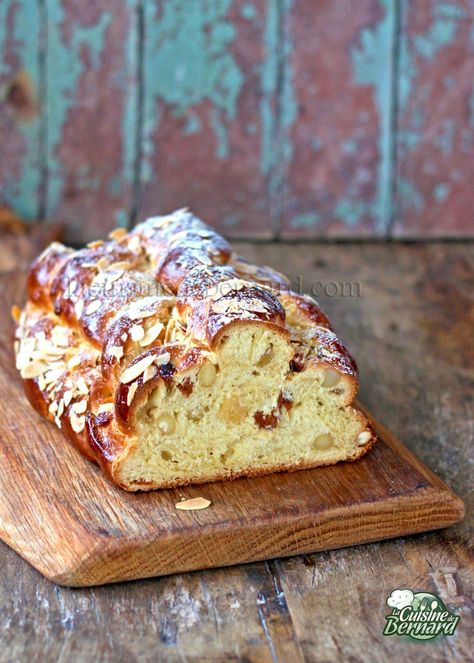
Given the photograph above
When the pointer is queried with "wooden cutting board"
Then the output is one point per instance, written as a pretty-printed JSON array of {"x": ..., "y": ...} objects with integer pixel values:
[{"x": 63, "y": 516}]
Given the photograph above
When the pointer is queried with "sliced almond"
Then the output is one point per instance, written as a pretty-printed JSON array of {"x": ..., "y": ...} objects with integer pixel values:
[
  {"x": 131, "y": 393},
  {"x": 102, "y": 264},
  {"x": 95, "y": 244},
  {"x": 139, "y": 315},
  {"x": 149, "y": 373},
  {"x": 16, "y": 312},
  {"x": 137, "y": 332},
  {"x": 106, "y": 407},
  {"x": 60, "y": 336},
  {"x": 52, "y": 376},
  {"x": 169, "y": 330},
  {"x": 228, "y": 306},
  {"x": 67, "y": 397},
  {"x": 163, "y": 359},
  {"x": 226, "y": 287},
  {"x": 60, "y": 409},
  {"x": 193, "y": 504},
  {"x": 123, "y": 265},
  {"x": 78, "y": 308},
  {"x": 80, "y": 407},
  {"x": 114, "y": 276},
  {"x": 134, "y": 244},
  {"x": 256, "y": 306},
  {"x": 135, "y": 370},
  {"x": 93, "y": 307},
  {"x": 82, "y": 386},
  {"x": 77, "y": 422},
  {"x": 116, "y": 351},
  {"x": 53, "y": 407},
  {"x": 33, "y": 370},
  {"x": 71, "y": 289},
  {"x": 151, "y": 334},
  {"x": 74, "y": 362},
  {"x": 117, "y": 233}
]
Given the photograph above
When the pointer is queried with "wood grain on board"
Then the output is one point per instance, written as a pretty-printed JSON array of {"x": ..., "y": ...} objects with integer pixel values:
[
  {"x": 64, "y": 517},
  {"x": 410, "y": 329}
]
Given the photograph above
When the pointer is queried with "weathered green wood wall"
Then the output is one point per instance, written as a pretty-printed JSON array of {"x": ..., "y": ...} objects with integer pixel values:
[{"x": 292, "y": 118}]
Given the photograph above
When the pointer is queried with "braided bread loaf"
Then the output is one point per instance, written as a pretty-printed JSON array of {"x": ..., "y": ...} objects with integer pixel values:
[{"x": 169, "y": 360}]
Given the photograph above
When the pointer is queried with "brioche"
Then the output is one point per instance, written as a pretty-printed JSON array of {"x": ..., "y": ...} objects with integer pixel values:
[{"x": 169, "y": 360}]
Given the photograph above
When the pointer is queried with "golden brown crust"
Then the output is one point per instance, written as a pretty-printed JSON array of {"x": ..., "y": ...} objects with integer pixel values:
[{"x": 104, "y": 325}]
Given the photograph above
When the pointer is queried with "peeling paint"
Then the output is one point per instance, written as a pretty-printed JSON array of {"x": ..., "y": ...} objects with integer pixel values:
[
  {"x": 406, "y": 72},
  {"x": 288, "y": 102},
  {"x": 372, "y": 69},
  {"x": 306, "y": 220},
  {"x": 269, "y": 79},
  {"x": 64, "y": 66},
  {"x": 441, "y": 192},
  {"x": 130, "y": 112},
  {"x": 471, "y": 109},
  {"x": 248, "y": 11},
  {"x": 350, "y": 211},
  {"x": 21, "y": 190},
  {"x": 445, "y": 139},
  {"x": 410, "y": 197},
  {"x": 188, "y": 61},
  {"x": 443, "y": 28}
]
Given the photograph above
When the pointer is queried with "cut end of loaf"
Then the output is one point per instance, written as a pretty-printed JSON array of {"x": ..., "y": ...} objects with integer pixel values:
[
  {"x": 245, "y": 412},
  {"x": 170, "y": 360}
]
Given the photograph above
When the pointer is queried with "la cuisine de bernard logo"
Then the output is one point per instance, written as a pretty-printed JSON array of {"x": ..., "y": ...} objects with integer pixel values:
[{"x": 420, "y": 615}]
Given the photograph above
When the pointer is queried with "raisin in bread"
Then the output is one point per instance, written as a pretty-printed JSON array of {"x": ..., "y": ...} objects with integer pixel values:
[{"x": 170, "y": 360}]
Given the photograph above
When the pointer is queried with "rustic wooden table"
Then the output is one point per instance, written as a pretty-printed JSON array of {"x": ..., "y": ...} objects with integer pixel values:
[{"x": 410, "y": 327}]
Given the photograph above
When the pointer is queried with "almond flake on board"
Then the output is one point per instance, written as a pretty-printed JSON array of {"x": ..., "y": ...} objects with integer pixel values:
[{"x": 193, "y": 504}]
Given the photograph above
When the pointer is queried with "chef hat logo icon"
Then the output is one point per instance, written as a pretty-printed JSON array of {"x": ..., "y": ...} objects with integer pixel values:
[{"x": 400, "y": 598}]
